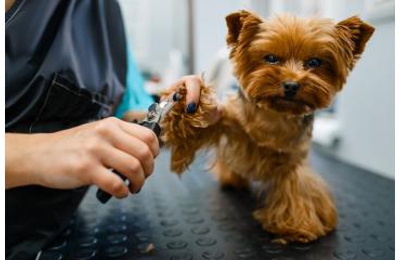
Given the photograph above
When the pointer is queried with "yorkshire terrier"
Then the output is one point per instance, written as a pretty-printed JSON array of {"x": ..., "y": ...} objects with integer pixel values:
[{"x": 287, "y": 68}]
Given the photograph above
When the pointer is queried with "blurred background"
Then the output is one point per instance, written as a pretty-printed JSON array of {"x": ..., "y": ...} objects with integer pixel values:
[{"x": 171, "y": 38}]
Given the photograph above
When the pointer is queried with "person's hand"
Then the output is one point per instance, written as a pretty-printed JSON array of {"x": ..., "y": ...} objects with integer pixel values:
[
  {"x": 189, "y": 91},
  {"x": 82, "y": 156}
]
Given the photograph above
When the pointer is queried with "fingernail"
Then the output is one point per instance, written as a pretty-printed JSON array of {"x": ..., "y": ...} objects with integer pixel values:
[
  {"x": 138, "y": 190},
  {"x": 191, "y": 108},
  {"x": 176, "y": 96}
]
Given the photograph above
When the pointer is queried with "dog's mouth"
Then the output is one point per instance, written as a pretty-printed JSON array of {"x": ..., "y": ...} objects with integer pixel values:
[
  {"x": 290, "y": 101},
  {"x": 289, "y": 105}
]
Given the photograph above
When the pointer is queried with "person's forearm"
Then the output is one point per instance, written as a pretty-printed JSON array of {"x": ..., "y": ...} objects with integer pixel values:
[
  {"x": 83, "y": 155},
  {"x": 9, "y": 3},
  {"x": 20, "y": 159}
]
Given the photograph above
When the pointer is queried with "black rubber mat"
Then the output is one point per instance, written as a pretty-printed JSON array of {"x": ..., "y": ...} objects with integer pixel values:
[{"x": 192, "y": 218}]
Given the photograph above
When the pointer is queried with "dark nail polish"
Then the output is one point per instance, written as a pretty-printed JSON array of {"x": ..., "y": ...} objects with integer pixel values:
[
  {"x": 191, "y": 108},
  {"x": 176, "y": 96}
]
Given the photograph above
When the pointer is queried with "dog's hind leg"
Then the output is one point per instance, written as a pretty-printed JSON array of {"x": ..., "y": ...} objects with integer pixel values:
[
  {"x": 299, "y": 206},
  {"x": 227, "y": 177}
]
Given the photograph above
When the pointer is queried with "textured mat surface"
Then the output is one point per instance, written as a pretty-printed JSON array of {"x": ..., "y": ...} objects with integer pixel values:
[{"x": 191, "y": 218}]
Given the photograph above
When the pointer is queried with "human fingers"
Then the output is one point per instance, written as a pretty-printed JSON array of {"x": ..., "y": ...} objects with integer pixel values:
[
  {"x": 144, "y": 134},
  {"x": 137, "y": 149},
  {"x": 110, "y": 129},
  {"x": 193, "y": 86},
  {"x": 128, "y": 166},
  {"x": 109, "y": 182}
]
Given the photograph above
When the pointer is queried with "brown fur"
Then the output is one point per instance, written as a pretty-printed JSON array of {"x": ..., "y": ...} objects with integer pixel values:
[{"x": 262, "y": 136}]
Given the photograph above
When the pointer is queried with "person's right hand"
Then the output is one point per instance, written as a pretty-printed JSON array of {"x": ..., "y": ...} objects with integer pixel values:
[{"x": 82, "y": 156}]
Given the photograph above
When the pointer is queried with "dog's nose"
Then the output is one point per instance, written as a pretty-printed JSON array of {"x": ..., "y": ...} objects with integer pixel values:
[{"x": 290, "y": 88}]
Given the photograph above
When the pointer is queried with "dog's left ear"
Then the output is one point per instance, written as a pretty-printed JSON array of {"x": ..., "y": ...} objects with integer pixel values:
[{"x": 354, "y": 34}]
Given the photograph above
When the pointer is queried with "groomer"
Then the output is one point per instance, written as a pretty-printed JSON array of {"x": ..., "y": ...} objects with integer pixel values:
[{"x": 65, "y": 75}]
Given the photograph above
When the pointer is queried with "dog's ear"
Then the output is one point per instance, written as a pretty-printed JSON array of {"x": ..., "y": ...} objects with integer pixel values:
[
  {"x": 238, "y": 21},
  {"x": 354, "y": 34}
]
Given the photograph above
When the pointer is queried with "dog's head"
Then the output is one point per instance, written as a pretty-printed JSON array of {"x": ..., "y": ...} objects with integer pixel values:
[{"x": 290, "y": 64}]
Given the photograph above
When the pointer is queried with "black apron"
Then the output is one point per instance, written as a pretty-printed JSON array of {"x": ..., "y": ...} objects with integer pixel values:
[{"x": 65, "y": 66}]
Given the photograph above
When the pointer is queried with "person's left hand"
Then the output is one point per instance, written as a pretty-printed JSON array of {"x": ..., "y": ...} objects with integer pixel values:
[{"x": 193, "y": 85}]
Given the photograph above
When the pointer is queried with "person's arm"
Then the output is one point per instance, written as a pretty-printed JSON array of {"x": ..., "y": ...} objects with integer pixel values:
[
  {"x": 20, "y": 151},
  {"x": 85, "y": 154},
  {"x": 9, "y": 3},
  {"x": 82, "y": 156}
]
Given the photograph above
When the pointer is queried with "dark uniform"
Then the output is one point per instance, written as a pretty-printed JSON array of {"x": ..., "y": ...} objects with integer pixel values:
[{"x": 65, "y": 66}]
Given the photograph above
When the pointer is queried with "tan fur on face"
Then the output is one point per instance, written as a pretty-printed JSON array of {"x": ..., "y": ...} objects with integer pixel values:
[
  {"x": 294, "y": 41},
  {"x": 262, "y": 136}
]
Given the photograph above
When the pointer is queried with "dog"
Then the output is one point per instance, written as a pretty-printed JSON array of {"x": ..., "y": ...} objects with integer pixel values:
[{"x": 287, "y": 68}]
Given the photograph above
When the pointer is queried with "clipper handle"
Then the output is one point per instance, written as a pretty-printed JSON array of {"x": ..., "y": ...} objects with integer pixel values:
[{"x": 103, "y": 196}]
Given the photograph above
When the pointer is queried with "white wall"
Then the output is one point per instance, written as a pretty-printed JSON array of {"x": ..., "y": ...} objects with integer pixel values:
[
  {"x": 210, "y": 29},
  {"x": 366, "y": 106},
  {"x": 155, "y": 28}
]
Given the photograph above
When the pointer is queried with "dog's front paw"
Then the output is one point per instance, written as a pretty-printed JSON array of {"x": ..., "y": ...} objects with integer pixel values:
[
  {"x": 201, "y": 115},
  {"x": 188, "y": 127},
  {"x": 298, "y": 220}
]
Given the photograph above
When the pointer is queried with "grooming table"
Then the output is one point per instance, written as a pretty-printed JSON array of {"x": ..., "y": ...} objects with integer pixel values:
[{"x": 192, "y": 218}]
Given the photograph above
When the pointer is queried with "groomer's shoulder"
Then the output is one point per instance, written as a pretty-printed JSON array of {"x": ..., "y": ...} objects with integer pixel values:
[{"x": 9, "y": 3}]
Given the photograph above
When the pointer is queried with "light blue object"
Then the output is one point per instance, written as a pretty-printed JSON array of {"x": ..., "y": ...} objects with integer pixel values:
[{"x": 135, "y": 96}]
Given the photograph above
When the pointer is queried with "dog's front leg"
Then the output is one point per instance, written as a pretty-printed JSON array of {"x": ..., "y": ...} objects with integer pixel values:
[
  {"x": 186, "y": 133},
  {"x": 299, "y": 206}
]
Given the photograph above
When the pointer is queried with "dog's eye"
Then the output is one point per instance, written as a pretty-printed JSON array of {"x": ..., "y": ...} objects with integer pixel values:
[
  {"x": 271, "y": 59},
  {"x": 313, "y": 63}
]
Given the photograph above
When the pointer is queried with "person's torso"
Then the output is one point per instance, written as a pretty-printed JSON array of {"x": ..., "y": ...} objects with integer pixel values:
[
  {"x": 65, "y": 66},
  {"x": 65, "y": 63}
]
